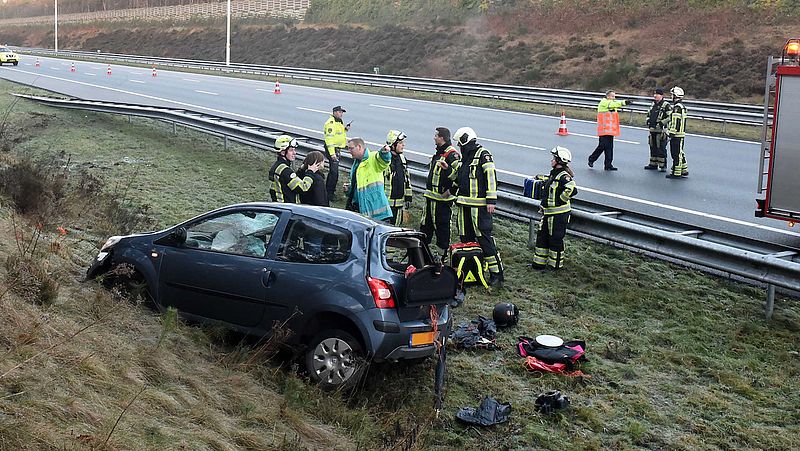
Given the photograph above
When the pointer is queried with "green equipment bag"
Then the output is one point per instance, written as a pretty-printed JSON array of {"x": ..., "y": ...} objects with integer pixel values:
[{"x": 467, "y": 260}]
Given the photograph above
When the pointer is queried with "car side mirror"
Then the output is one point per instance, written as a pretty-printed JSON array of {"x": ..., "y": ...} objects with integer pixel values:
[{"x": 178, "y": 235}]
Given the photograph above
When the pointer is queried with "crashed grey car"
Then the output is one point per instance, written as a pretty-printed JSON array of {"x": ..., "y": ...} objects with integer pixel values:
[{"x": 346, "y": 288}]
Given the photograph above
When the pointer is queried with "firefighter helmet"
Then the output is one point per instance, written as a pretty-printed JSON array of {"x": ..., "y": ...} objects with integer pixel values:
[
  {"x": 284, "y": 142},
  {"x": 464, "y": 135},
  {"x": 561, "y": 154},
  {"x": 505, "y": 314},
  {"x": 394, "y": 137},
  {"x": 677, "y": 91}
]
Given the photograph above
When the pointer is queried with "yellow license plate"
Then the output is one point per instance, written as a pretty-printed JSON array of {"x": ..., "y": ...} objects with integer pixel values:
[{"x": 422, "y": 338}]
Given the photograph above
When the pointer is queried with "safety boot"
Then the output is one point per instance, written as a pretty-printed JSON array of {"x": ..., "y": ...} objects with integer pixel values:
[
  {"x": 650, "y": 167},
  {"x": 496, "y": 279}
]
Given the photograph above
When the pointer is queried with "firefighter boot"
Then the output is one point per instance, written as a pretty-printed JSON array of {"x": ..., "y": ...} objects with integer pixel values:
[{"x": 496, "y": 279}]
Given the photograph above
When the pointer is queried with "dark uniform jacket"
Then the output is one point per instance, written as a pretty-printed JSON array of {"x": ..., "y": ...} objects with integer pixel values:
[
  {"x": 658, "y": 116},
  {"x": 398, "y": 183},
  {"x": 441, "y": 180},
  {"x": 316, "y": 194},
  {"x": 285, "y": 182},
  {"x": 477, "y": 179},
  {"x": 558, "y": 190}
]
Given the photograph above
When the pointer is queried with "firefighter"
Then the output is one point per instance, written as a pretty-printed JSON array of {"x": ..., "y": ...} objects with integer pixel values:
[
  {"x": 285, "y": 184},
  {"x": 657, "y": 122},
  {"x": 398, "y": 183},
  {"x": 335, "y": 132},
  {"x": 677, "y": 133},
  {"x": 558, "y": 189},
  {"x": 607, "y": 129},
  {"x": 439, "y": 189},
  {"x": 476, "y": 199}
]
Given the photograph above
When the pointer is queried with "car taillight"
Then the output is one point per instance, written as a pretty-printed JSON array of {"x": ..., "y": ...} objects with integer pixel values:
[{"x": 381, "y": 293}]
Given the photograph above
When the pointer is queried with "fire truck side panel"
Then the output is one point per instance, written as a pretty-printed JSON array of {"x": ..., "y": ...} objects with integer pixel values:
[{"x": 783, "y": 195}]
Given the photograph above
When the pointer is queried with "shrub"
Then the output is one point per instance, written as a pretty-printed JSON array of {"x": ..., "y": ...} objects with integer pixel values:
[{"x": 28, "y": 278}]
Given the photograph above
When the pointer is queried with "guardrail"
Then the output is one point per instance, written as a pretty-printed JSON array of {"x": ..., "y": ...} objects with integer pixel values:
[
  {"x": 727, "y": 113},
  {"x": 770, "y": 264}
]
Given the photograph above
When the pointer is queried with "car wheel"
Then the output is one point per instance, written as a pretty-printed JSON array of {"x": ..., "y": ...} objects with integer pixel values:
[
  {"x": 334, "y": 360},
  {"x": 16, "y": 62}
]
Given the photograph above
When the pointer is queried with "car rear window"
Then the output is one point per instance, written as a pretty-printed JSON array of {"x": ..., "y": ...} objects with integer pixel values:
[
  {"x": 309, "y": 240},
  {"x": 403, "y": 251}
]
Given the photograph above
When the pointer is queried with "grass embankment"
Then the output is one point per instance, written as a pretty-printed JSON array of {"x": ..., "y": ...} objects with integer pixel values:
[{"x": 678, "y": 359}]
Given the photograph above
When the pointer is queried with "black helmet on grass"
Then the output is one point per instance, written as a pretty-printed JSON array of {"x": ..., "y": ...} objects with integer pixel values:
[{"x": 505, "y": 314}]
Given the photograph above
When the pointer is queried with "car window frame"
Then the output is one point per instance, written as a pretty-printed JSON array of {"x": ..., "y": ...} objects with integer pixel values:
[
  {"x": 270, "y": 247},
  {"x": 294, "y": 215},
  {"x": 402, "y": 235}
]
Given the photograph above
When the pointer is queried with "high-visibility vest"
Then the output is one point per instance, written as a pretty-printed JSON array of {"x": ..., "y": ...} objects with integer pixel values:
[
  {"x": 607, "y": 117},
  {"x": 608, "y": 123}
]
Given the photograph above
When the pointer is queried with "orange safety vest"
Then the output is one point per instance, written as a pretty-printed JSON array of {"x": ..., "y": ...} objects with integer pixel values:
[{"x": 608, "y": 123}]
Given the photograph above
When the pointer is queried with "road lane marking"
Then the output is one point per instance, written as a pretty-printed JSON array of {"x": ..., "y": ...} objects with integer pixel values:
[
  {"x": 189, "y": 79},
  {"x": 512, "y": 144},
  {"x": 136, "y": 81},
  {"x": 87, "y": 73},
  {"x": 313, "y": 110},
  {"x": 519, "y": 113},
  {"x": 265, "y": 90},
  {"x": 135, "y": 73},
  {"x": 615, "y": 139},
  {"x": 206, "y": 92},
  {"x": 389, "y": 107},
  {"x": 318, "y": 132},
  {"x": 55, "y": 68}
]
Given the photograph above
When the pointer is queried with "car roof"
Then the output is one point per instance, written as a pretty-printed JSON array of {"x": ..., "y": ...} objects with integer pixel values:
[{"x": 326, "y": 214}]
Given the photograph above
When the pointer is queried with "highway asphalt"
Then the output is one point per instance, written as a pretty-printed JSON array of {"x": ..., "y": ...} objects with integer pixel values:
[{"x": 719, "y": 194}]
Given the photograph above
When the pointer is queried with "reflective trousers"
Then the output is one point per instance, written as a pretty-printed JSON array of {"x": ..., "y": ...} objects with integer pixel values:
[
  {"x": 658, "y": 150},
  {"x": 550, "y": 241},
  {"x": 475, "y": 224},
  {"x": 679, "y": 166},
  {"x": 436, "y": 221}
]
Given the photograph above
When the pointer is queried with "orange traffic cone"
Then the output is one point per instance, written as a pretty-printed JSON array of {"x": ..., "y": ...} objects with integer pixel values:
[
  {"x": 154, "y": 71},
  {"x": 562, "y": 127},
  {"x": 37, "y": 63},
  {"x": 108, "y": 72},
  {"x": 277, "y": 87},
  {"x": 72, "y": 67}
]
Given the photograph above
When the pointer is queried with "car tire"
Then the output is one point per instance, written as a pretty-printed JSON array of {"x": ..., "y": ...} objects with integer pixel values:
[
  {"x": 334, "y": 360},
  {"x": 16, "y": 63}
]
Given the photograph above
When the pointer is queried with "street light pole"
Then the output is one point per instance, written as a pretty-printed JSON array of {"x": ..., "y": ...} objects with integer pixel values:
[
  {"x": 228, "y": 38},
  {"x": 56, "y": 20}
]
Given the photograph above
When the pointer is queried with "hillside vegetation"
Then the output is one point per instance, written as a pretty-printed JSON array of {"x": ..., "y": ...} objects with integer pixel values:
[
  {"x": 678, "y": 359},
  {"x": 714, "y": 50}
]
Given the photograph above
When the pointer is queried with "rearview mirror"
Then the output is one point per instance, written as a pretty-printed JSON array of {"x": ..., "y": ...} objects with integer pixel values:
[{"x": 178, "y": 235}]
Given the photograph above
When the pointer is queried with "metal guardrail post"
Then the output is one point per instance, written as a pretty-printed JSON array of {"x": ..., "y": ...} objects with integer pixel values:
[{"x": 768, "y": 308}]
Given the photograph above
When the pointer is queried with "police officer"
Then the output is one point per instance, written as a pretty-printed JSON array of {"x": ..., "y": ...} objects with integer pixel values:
[
  {"x": 657, "y": 122},
  {"x": 558, "y": 189},
  {"x": 398, "y": 183},
  {"x": 439, "y": 189},
  {"x": 476, "y": 199},
  {"x": 335, "y": 132},
  {"x": 607, "y": 129},
  {"x": 677, "y": 133},
  {"x": 285, "y": 184}
]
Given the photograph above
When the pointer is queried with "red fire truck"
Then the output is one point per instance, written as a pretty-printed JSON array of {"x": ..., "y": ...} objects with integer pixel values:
[{"x": 779, "y": 175}]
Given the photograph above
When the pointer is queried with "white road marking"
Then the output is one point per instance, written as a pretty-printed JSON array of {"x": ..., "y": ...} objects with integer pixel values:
[
  {"x": 190, "y": 80},
  {"x": 64, "y": 64},
  {"x": 389, "y": 107},
  {"x": 136, "y": 81},
  {"x": 27, "y": 64},
  {"x": 512, "y": 144},
  {"x": 313, "y": 110},
  {"x": 519, "y": 113},
  {"x": 55, "y": 68},
  {"x": 206, "y": 92},
  {"x": 135, "y": 73},
  {"x": 318, "y": 132},
  {"x": 595, "y": 137},
  {"x": 87, "y": 73},
  {"x": 265, "y": 90}
]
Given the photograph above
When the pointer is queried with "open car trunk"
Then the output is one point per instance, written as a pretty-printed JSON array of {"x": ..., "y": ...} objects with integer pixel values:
[{"x": 417, "y": 288}]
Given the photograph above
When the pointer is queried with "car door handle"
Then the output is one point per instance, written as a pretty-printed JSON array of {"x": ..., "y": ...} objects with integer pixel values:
[{"x": 266, "y": 277}]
